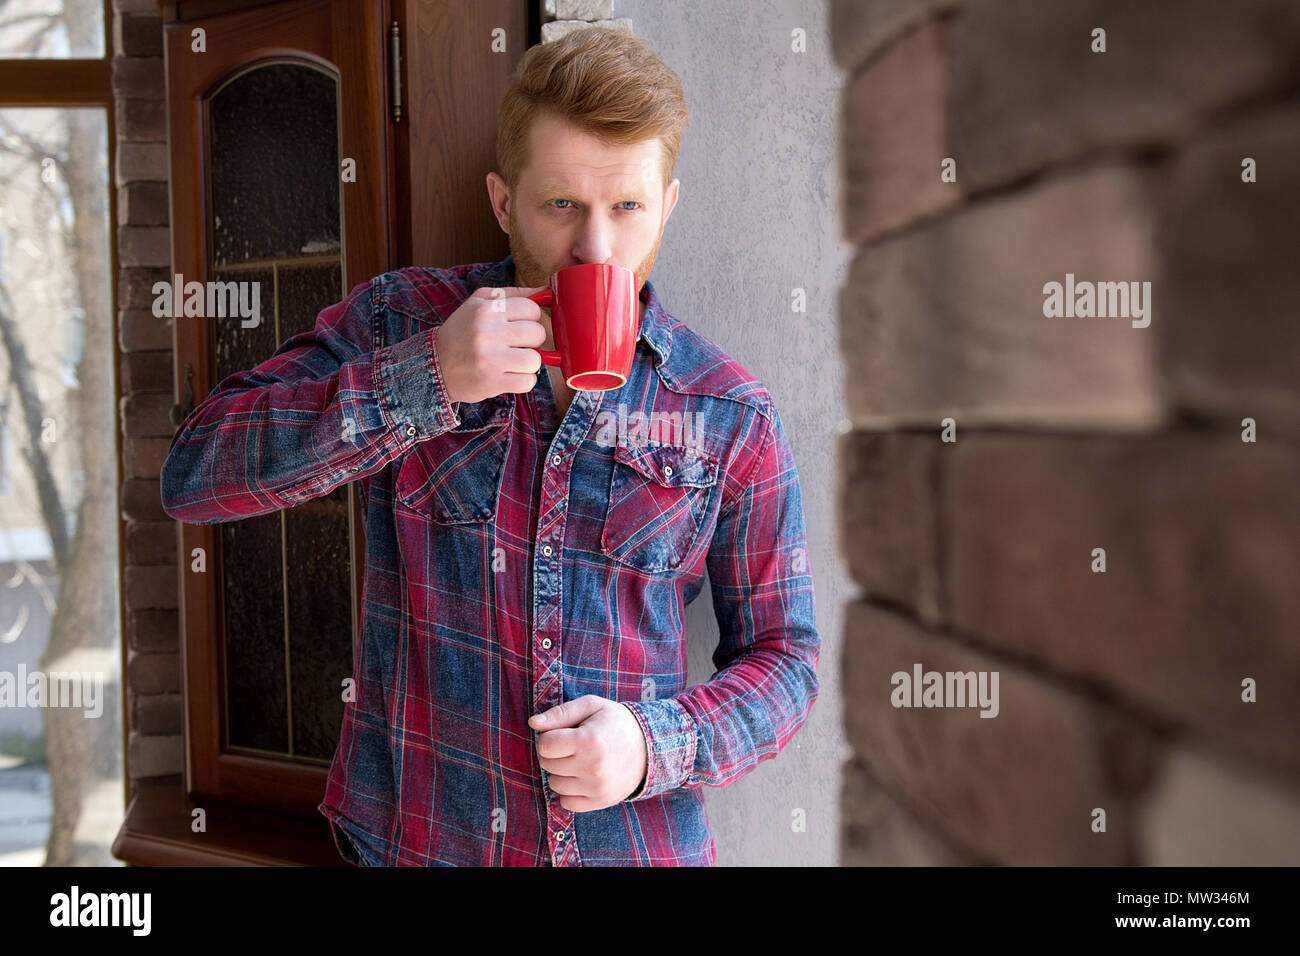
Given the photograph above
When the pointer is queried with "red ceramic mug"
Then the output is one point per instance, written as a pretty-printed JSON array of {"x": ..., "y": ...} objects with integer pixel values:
[{"x": 595, "y": 320}]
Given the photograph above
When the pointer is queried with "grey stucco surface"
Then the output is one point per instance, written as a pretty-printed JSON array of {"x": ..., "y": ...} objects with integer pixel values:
[{"x": 757, "y": 218}]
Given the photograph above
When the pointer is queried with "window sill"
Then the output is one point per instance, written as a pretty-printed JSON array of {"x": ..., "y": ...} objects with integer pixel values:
[{"x": 156, "y": 832}]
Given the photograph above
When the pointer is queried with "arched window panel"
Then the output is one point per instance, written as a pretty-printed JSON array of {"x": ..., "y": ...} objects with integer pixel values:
[{"x": 285, "y": 603}]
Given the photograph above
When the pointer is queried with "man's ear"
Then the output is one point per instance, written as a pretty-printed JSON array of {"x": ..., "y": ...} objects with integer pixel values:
[
  {"x": 499, "y": 196},
  {"x": 670, "y": 199}
]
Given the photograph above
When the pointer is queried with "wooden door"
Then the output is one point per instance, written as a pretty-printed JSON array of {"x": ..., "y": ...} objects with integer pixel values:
[{"x": 268, "y": 109}]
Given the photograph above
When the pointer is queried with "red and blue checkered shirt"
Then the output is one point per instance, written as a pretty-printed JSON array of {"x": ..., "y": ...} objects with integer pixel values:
[{"x": 514, "y": 560}]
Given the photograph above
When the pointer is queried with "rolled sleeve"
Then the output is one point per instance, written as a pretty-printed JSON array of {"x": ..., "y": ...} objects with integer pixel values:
[
  {"x": 412, "y": 388},
  {"x": 324, "y": 409},
  {"x": 671, "y": 738}
]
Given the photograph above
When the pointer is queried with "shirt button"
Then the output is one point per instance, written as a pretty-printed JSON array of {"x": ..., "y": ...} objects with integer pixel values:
[
  {"x": 546, "y": 643},
  {"x": 668, "y": 471},
  {"x": 546, "y": 550},
  {"x": 410, "y": 429},
  {"x": 555, "y": 459},
  {"x": 355, "y": 468},
  {"x": 559, "y": 835}
]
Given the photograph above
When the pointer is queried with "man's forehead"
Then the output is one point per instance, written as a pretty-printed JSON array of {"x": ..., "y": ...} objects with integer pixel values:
[
  {"x": 552, "y": 175},
  {"x": 567, "y": 156}
]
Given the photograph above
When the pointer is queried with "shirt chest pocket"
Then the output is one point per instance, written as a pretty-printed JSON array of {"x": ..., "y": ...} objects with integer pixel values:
[
  {"x": 658, "y": 498},
  {"x": 456, "y": 477}
]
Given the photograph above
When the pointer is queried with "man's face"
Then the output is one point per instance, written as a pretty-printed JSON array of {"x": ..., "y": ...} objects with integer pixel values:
[{"x": 582, "y": 200}]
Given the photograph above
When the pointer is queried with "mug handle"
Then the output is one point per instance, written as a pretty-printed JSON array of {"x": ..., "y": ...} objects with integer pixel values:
[{"x": 546, "y": 298}]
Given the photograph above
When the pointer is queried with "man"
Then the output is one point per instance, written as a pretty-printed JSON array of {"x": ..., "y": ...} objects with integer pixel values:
[{"x": 530, "y": 550}]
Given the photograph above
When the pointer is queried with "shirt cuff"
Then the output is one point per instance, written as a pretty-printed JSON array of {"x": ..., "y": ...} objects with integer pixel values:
[
  {"x": 411, "y": 388},
  {"x": 670, "y": 737}
]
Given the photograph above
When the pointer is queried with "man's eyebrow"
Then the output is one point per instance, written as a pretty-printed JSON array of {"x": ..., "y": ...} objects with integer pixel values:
[{"x": 552, "y": 189}]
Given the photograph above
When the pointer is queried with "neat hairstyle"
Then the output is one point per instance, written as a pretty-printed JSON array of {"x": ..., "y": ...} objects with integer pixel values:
[{"x": 603, "y": 80}]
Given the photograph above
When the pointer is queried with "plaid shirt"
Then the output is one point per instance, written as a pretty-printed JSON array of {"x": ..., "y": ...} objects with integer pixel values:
[{"x": 514, "y": 561}]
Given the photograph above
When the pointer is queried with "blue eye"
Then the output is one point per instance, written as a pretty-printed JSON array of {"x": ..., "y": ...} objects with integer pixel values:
[{"x": 626, "y": 202}]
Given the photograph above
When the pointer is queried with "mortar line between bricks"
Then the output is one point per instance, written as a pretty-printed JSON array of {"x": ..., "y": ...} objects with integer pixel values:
[
  {"x": 1128, "y": 799},
  {"x": 900, "y": 33},
  {"x": 1227, "y": 115},
  {"x": 1143, "y": 155},
  {"x": 935, "y": 826},
  {"x": 1166, "y": 731},
  {"x": 1161, "y": 726},
  {"x": 1137, "y": 155},
  {"x": 1183, "y": 420}
]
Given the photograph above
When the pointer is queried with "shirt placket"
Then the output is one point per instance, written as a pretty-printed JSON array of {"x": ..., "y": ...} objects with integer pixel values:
[{"x": 548, "y": 583}]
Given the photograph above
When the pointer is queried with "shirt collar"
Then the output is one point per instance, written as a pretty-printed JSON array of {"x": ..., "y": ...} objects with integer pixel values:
[{"x": 655, "y": 329}]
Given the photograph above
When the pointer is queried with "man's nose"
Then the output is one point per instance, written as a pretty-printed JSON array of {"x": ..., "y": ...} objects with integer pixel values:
[{"x": 594, "y": 245}]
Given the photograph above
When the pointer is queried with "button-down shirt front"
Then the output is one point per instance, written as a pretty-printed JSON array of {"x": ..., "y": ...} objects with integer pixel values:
[{"x": 515, "y": 560}]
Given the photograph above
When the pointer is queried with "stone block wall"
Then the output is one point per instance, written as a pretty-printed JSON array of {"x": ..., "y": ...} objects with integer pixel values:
[
  {"x": 1102, "y": 510},
  {"x": 564, "y": 16}
]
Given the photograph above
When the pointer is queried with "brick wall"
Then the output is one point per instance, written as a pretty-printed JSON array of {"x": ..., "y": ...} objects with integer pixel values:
[
  {"x": 144, "y": 256},
  {"x": 1120, "y": 689}
]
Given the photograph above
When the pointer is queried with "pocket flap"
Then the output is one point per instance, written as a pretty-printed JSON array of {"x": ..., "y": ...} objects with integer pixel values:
[
  {"x": 672, "y": 466},
  {"x": 489, "y": 413},
  {"x": 455, "y": 477}
]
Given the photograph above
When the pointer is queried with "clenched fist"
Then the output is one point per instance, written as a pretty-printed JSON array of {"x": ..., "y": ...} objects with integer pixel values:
[
  {"x": 488, "y": 346},
  {"x": 594, "y": 750}
]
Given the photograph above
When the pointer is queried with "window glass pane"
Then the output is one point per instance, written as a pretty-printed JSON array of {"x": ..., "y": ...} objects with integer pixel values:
[
  {"x": 51, "y": 29},
  {"x": 275, "y": 165},
  {"x": 320, "y": 605},
  {"x": 252, "y": 581},
  {"x": 61, "y": 788},
  {"x": 252, "y": 609},
  {"x": 286, "y": 578},
  {"x": 318, "y": 547}
]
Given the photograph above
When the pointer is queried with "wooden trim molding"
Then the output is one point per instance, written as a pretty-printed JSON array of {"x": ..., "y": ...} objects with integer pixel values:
[{"x": 56, "y": 82}]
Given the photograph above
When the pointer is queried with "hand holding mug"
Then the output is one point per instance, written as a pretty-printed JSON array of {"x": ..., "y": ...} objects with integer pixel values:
[{"x": 489, "y": 345}]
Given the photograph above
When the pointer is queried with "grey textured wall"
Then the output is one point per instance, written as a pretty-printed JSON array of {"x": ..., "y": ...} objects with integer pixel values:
[{"x": 757, "y": 219}]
